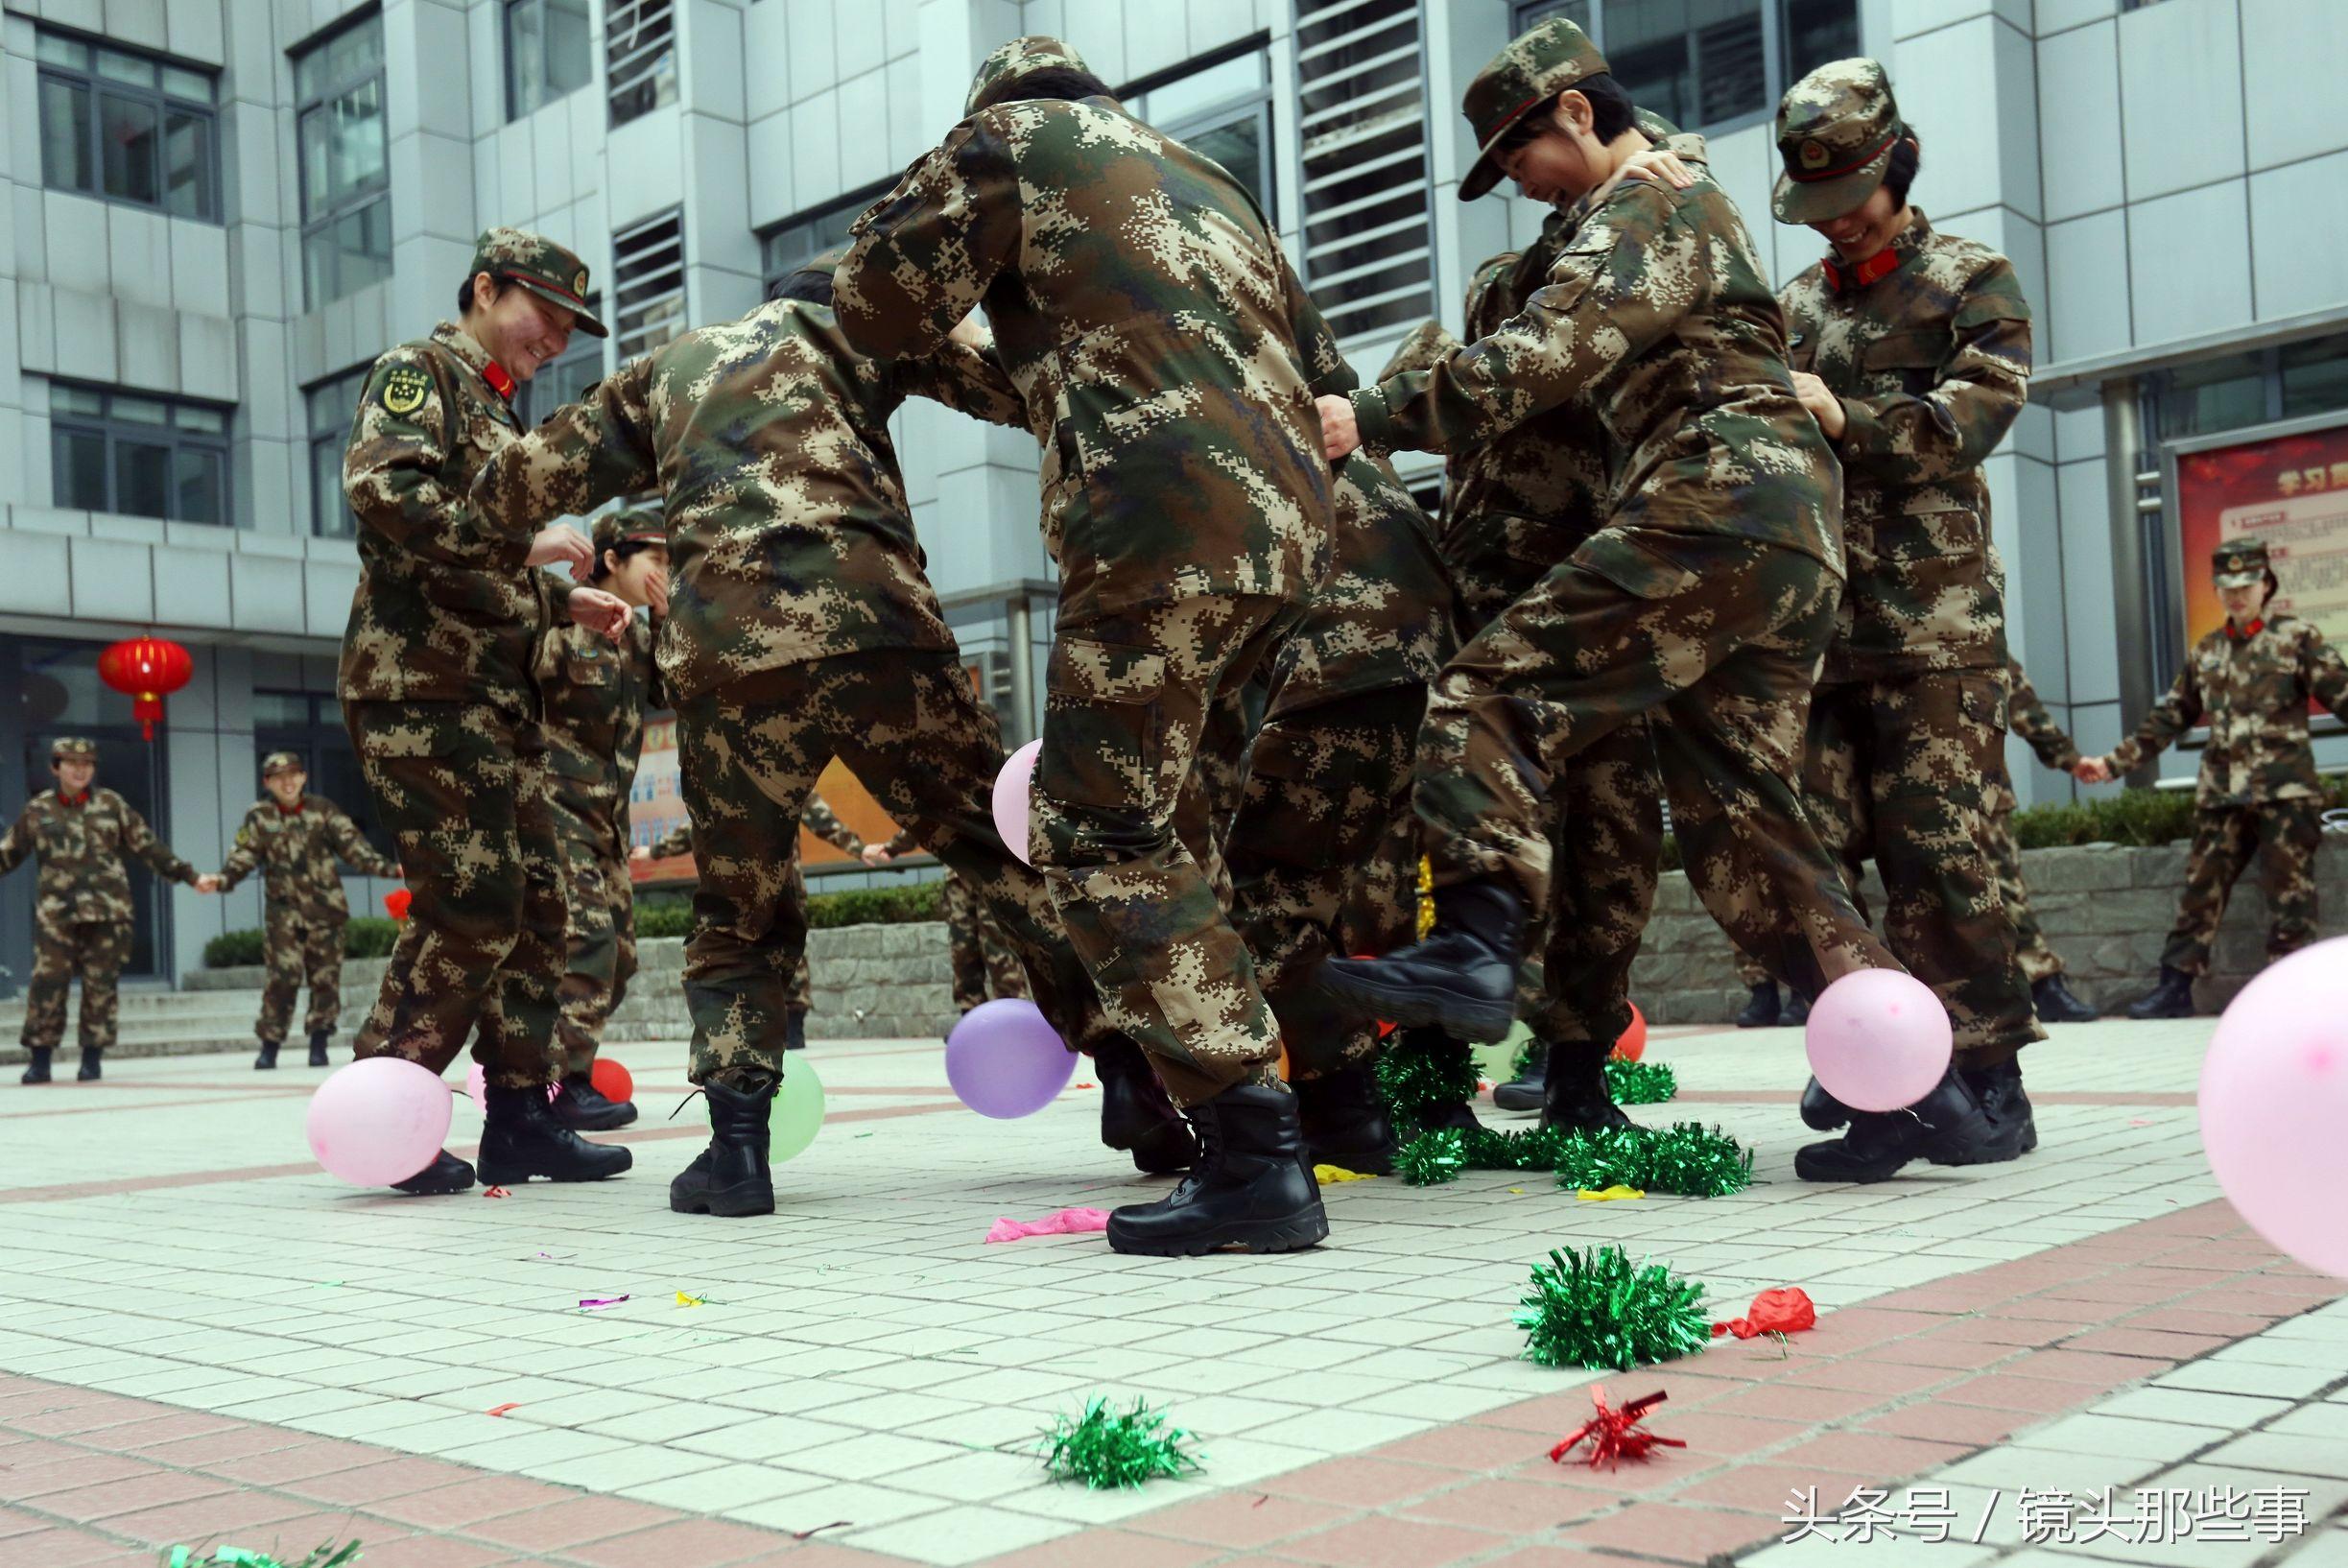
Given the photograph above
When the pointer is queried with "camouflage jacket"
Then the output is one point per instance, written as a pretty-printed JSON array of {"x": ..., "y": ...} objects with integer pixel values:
[
  {"x": 595, "y": 699},
  {"x": 295, "y": 851},
  {"x": 2253, "y": 692},
  {"x": 446, "y": 609},
  {"x": 1656, "y": 313},
  {"x": 80, "y": 849},
  {"x": 789, "y": 537},
  {"x": 1143, "y": 306},
  {"x": 2027, "y": 717},
  {"x": 1933, "y": 363}
]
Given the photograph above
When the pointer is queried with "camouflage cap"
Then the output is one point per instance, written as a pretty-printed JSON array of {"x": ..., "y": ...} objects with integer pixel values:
[
  {"x": 1011, "y": 63},
  {"x": 2240, "y": 564},
  {"x": 73, "y": 746},
  {"x": 542, "y": 267},
  {"x": 1545, "y": 61},
  {"x": 1836, "y": 130},
  {"x": 614, "y": 528},
  {"x": 282, "y": 762}
]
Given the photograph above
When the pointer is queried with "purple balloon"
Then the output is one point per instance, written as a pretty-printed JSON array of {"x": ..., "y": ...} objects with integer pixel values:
[{"x": 1006, "y": 1061}]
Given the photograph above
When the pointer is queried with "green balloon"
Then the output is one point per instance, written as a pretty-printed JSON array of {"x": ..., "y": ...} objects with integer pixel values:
[{"x": 799, "y": 1112}]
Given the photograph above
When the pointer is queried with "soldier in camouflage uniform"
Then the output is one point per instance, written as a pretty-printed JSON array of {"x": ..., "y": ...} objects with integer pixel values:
[
  {"x": 1143, "y": 307},
  {"x": 438, "y": 690},
  {"x": 295, "y": 839},
  {"x": 2250, "y": 681},
  {"x": 801, "y": 627},
  {"x": 2026, "y": 716},
  {"x": 1708, "y": 593},
  {"x": 595, "y": 699},
  {"x": 81, "y": 909},
  {"x": 984, "y": 966},
  {"x": 1912, "y": 347}
]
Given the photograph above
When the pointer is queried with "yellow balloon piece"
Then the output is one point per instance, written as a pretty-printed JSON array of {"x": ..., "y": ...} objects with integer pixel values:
[
  {"x": 1609, "y": 1194},
  {"x": 684, "y": 1300},
  {"x": 1338, "y": 1173}
]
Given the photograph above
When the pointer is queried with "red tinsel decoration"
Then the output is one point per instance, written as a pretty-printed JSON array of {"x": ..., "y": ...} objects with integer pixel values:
[
  {"x": 1786, "y": 1310},
  {"x": 395, "y": 903},
  {"x": 1614, "y": 1434}
]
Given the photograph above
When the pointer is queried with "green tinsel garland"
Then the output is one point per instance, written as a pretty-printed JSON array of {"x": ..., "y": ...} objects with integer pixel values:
[
  {"x": 328, "y": 1556},
  {"x": 1641, "y": 1083},
  {"x": 1433, "y": 1159},
  {"x": 1597, "y": 1309},
  {"x": 1685, "y": 1158},
  {"x": 1531, "y": 1059},
  {"x": 1106, "y": 1449},
  {"x": 1422, "y": 1071}
]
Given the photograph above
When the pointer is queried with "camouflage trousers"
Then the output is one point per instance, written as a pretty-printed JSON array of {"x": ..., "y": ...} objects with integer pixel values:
[
  {"x": 302, "y": 949},
  {"x": 463, "y": 787},
  {"x": 1323, "y": 858},
  {"x": 984, "y": 966},
  {"x": 598, "y": 942},
  {"x": 803, "y": 977},
  {"x": 750, "y": 751},
  {"x": 1605, "y": 834},
  {"x": 2225, "y": 840},
  {"x": 1900, "y": 772},
  {"x": 92, "y": 950},
  {"x": 1716, "y": 636},
  {"x": 1128, "y": 700},
  {"x": 2038, "y": 958}
]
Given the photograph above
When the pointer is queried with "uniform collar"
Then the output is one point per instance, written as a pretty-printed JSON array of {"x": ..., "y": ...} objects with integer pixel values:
[
  {"x": 461, "y": 343},
  {"x": 294, "y": 810},
  {"x": 81, "y": 799},
  {"x": 1844, "y": 278},
  {"x": 2243, "y": 633}
]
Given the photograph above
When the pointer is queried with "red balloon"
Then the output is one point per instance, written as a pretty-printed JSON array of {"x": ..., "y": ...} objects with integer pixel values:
[
  {"x": 146, "y": 670},
  {"x": 395, "y": 903},
  {"x": 1633, "y": 1043},
  {"x": 611, "y": 1081}
]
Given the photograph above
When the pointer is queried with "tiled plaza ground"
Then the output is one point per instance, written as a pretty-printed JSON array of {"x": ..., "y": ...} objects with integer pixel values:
[{"x": 208, "y": 1339}]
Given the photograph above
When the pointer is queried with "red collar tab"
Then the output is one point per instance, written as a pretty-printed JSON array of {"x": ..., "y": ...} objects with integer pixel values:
[
  {"x": 81, "y": 799},
  {"x": 498, "y": 381},
  {"x": 1881, "y": 265},
  {"x": 2243, "y": 633},
  {"x": 294, "y": 810}
]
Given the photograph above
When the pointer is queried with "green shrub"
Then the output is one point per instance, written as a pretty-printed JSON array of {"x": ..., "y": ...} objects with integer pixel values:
[
  {"x": 673, "y": 918},
  {"x": 231, "y": 949},
  {"x": 370, "y": 937},
  {"x": 366, "y": 937},
  {"x": 900, "y": 905}
]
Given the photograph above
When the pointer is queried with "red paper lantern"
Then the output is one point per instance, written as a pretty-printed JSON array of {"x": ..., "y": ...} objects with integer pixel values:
[{"x": 147, "y": 669}]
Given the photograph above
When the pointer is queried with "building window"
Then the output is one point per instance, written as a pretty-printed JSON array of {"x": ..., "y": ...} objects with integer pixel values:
[
  {"x": 1222, "y": 110},
  {"x": 565, "y": 378},
  {"x": 346, "y": 169},
  {"x": 127, "y": 128},
  {"x": 549, "y": 53},
  {"x": 310, "y": 725},
  {"x": 332, "y": 405},
  {"x": 1362, "y": 122},
  {"x": 1707, "y": 65},
  {"x": 786, "y": 249},
  {"x": 648, "y": 269},
  {"x": 639, "y": 56},
  {"x": 2237, "y": 391},
  {"x": 143, "y": 457}
]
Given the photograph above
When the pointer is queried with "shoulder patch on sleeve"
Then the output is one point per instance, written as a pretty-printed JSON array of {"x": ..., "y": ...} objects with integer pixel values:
[{"x": 404, "y": 389}]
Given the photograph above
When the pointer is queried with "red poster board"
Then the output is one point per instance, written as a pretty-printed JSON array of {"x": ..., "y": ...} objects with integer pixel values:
[{"x": 2290, "y": 491}]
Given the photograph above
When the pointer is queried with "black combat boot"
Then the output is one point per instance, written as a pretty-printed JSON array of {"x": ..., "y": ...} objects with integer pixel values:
[
  {"x": 1947, "y": 1127},
  {"x": 1137, "y": 1116},
  {"x": 2055, "y": 1003},
  {"x": 582, "y": 1108},
  {"x": 267, "y": 1061},
  {"x": 1343, "y": 1122},
  {"x": 1761, "y": 1011},
  {"x": 1251, "y": 1188},
  {"x": 1795, "y": 1012},
  {"x": 1574, "y": 1097},
  {"x": 1822, "y": 1110},
  {"x": 731, "y": 1178},
  {"x": 2171, "y": 997},
  {"x": 318, "y": 1047},
  {"x": 2013, "y": 1132},
  {"x": 1461, "y": 978},
  {"x": 447, "y": 1173},
  {"x": 794, "y": 1031},
  {"x": 522, "y": 1138},
  {"x": 36, "y": 1071},
  {"x": 90, "y": 1073},
  {"x": 1524, "y": 1091}
]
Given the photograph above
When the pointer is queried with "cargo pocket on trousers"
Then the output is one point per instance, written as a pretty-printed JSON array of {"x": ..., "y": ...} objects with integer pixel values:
[
  {"x": 1634, "y": 567},
  {"x": 1102, "y": 720}
]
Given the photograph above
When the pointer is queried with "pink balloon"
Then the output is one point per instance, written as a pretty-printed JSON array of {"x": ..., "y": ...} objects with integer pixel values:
[
  {"x": 1006, "y": 1061},
  {"x": 1014, "y": 788},
  {"x": 1878, "y": 1039},
  {"x": 378, "y": 1121},
  {"x": 2274, "y": 1096}
]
